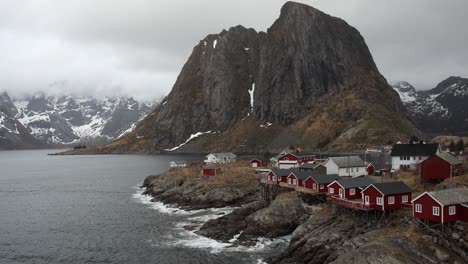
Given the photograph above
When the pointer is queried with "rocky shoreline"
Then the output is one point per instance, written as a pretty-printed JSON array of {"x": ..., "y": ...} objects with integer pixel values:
[{"x": 321, "y": 233}]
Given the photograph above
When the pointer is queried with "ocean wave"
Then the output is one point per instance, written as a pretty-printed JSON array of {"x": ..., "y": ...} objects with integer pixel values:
[{"x": 160, "y": 206}]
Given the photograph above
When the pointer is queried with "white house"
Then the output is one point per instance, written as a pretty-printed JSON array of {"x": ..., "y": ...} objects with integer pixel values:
[
  {"x": 226, "y": 157},
  {"x": 408, "y": 156},
  {"x": 352, "y": 166}
]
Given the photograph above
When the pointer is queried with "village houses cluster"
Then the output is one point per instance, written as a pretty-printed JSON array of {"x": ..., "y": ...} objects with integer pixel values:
[{"x": 345, "y": 180}]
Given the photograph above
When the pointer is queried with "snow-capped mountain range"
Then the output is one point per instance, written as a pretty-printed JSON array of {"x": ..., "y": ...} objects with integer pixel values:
[
  {"x": 57, "y": 120},
  {"x": 443, "y": 109}
]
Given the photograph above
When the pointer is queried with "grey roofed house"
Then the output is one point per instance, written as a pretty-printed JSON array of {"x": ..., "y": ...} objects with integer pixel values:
[
  {"x": 389, "y": 188},
  {"x": 449, "y": 158},
  {"x": 302, "y": 175},
  {"x": 351, "y": 161},
  {"x": 355, "y": 182},
  {"x": 450, "y": 196},
  {"x": 321, "y": 179},
  {"x": 285, "y": 172},
  {"x": 225, "y": 155},
  {"x": 308, "y": 166}
]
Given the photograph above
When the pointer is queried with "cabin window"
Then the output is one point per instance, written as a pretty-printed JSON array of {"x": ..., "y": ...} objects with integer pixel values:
[
  {"x": 401, "y": 158},
  {"x": 414, "y": 158},
  {"x": 435, "y": 210},
  {"x": 418, "y": 208},
  {"x": 379, "y": 201},
  {"x": 352, "y": 191},
  {"x": 420, "y": 157},
  {"x": 391, "y": 200},
  {"x": 294, "y": 181},
  {"x": 404, "y": 198},
  {"x": 332, "y": 190},
  {"x": 315, "y": 186},
  {"x": 451, "y": 210},
  {"x": 274, "y": 178},
  {"x": 321, "y": 186},
  {"x": 357, "y": 169}
]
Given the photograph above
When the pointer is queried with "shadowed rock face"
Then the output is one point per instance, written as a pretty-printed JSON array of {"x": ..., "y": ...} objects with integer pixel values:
[{"x": 275, "y": 77}]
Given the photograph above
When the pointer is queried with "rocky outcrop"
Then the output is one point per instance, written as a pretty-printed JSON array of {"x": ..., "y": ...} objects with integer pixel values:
[
  {"x": 441, "y": 110},
  {"x": 186, "y": 188},
  {"x": 309, "y": 80}
]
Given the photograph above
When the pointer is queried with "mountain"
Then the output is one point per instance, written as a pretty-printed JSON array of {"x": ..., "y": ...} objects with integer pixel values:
[
  {"x": 12, "y": 133},
  {"x": 310, "y": 80},
  {"x": 441, "y": 110},
  {"x": 58, "y": 120}
]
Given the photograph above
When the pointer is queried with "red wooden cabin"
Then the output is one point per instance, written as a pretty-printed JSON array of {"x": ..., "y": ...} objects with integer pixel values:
[
  {"x": 279, "y": 175},
  {"x": 319, "y": 182},
  {"x": 348, "y": 188},
  {"x": 441, "y": 166},
  {"x": 290, "y": 160},
  {"x": 257, "y": 163},
  {"x": 297, "y": 178},
  {"x": 442, "y": 206},
  {"x": 211, "y": 171},
  {"x": 370, "y": 169},
  {"x": 387, "y": 196}
]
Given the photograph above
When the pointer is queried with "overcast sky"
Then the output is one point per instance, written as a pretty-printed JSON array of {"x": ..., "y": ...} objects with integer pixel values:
[{"x": 138, "y": 47}]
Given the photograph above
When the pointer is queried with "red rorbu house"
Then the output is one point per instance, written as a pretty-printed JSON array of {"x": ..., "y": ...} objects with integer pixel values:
[
  {"x": 347, "y": 192},
  {"x": 211, "y": 171},
  {"x": 441, "y": 166},
  {"x": 291, "y": 160},
  {"x": 256, "y": 163},
  {"x": 442, "y": 206},
  {"x": 387, "y": 196},
  {"x": 279, "y": 175},
  {"x": 370, "y": 169},
  {"x": 318, "y": 183},
  {"x": 297, "y": 178}
]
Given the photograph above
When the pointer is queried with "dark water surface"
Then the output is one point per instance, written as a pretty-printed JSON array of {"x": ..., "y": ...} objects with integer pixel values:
[{"x": 88, "y": 209}]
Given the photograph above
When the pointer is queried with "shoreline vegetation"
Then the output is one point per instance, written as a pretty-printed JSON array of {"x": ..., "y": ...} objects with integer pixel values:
[{"x": 320, "y": 232}]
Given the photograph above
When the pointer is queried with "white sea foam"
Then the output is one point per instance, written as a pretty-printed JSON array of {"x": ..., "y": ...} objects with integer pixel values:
[{"x": 159, "y": 206}]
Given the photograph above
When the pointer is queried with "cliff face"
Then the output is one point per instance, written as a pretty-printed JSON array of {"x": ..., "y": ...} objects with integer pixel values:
[{"x": 309, "y": 80}]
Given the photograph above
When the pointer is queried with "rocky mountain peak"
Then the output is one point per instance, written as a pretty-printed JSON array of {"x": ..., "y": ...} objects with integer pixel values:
[
  {"x": 302, "y": 67},
  {"x": 452, "y": 85}
]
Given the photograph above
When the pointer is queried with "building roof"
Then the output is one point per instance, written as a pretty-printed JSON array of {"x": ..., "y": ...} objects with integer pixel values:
[
  {"x": 224, "y": 155},
  {"x": 322, "y": 179},
  {"x": 414, "y": 149},
  {"x": 284, "y": 172},
  {"x": 350, "y": 161},
  {"x": 449, "y": 158},
  {"x": 355, "y": 182},
  {"x": 259, "y": 159},
  {"x": 450, "y": 196},
  {"x": 308, "y": 166},
  {"x": 389, "y": 188},
  {"x": 302, "y": 175},
  {"x": 297, "y": 154}
]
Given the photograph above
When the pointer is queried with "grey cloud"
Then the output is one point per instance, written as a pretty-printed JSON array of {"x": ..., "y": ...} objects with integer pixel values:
[{"x": 138, "y": 47}]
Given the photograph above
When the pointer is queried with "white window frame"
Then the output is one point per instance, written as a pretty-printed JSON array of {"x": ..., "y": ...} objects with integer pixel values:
[
  {"x": 404, "y": 198},
  {"x": 295, "y": 181},
  {"x": 314, "y": 186},
  {"x": 321, "y": 186},
  {"x": 418, "y": 208},
  {"x": 435, "y": 210},
  {"x": 366, "y": 200},
  {"x": 379, "y": 201},
  {"x": 391, "y": 200},
  {"x": 452, "y": 210},
  {"x": 273, "y": 178},
  {"x": 331, "y": 190},
  {"x": 352, "y": 191}
]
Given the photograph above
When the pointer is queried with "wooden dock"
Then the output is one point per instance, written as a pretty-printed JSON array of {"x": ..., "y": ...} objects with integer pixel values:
[{"x": 353, "y": 204}]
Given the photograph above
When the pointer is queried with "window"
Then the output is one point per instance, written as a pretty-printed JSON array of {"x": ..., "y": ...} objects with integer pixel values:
[
  {"x": 331, "y": 190},
  {"x": 357, "y": 169},
  {"x": 315, "y": 186},
  {"x": 352, "y": 191},
  {"x": 435, "y": 210},
  {"x": 414, "y": 158},
  {"x": 274, "y": 178},
  {"x": 401, "y": 158},
  {"x": 391, "y": 200},
  {"x": 321, "y": 186},
  {"x": 295, "y": 181},
  {"x": 452, "y": 210},
  {"x": 420, "y": 158},
  {"x": 418, "y": 208},
  {"x": 404, "y": 198},
  {"x": 379, "y": 201}
]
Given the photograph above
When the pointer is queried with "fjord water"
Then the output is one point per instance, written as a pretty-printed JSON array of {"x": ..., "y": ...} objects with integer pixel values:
[{"x": 87, "y": 209}]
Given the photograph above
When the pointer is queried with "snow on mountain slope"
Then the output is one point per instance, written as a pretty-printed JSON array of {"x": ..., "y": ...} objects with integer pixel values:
[
  {"x": 67, "y": 119},
  {"x": 443, "y": 109}
]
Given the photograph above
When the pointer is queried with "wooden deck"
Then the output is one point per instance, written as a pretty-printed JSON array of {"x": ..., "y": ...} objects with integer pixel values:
[
  {"x": 287, "y": 185},
  {"x": 306, "y": 190},
  {"x": 353, "y": 204}
]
